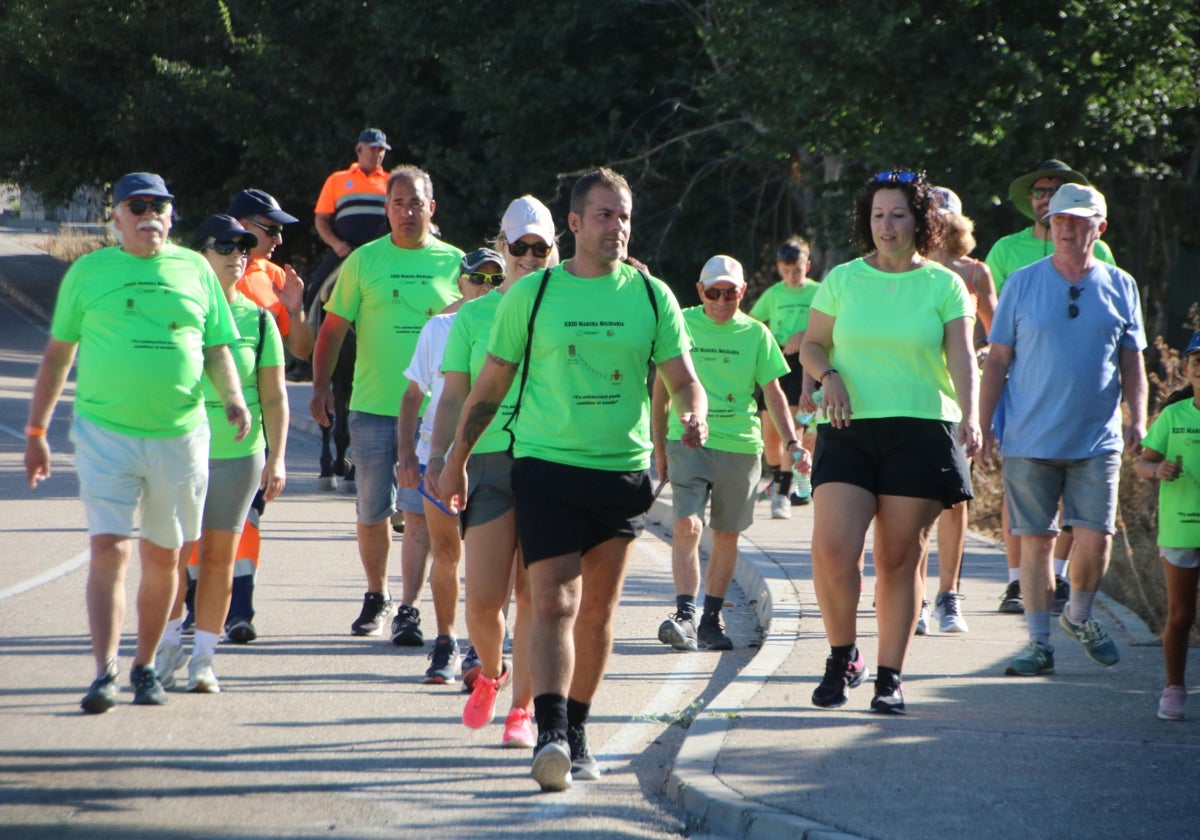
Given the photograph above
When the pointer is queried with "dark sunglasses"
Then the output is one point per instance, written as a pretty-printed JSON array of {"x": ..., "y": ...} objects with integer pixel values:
[
  {"x": 479, "y": 278},
  {"x": 717, "y": 294},
  {"x": 895, "y": 176},
  {"x": 225, "y": 247},
  {"x": 520, "y": 249},
  {"x": 1074, "y": 292},
  {"x": 788, "y": 254},
  {"x": 139, "y": 206},
  {"x": 271, "y": 231},
  {"x": 1042, "y": 192}
]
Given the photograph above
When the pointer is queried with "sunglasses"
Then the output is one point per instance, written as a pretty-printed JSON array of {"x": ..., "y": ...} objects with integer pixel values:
[
  {"x": 225, "y": 247},
  {"x": 139, "y": 206},
  {"x": 1042, "y": 192},
  {"x": 520, "y": 249},
  {"x": 1074, "y": 292},
  {"x": 717, "y": 294},
  {"x": 272, "y": 231},
  {"x": 895, "y": 176},
  {"x": 479, "y": 278},
  {"x": 788, "y": 254}
]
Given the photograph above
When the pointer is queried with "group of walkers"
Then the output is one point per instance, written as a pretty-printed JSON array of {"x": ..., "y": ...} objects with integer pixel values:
[{"x": 522, "y": 433}]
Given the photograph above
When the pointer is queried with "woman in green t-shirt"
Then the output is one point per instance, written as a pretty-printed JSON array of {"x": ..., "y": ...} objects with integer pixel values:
[{"x": 889, "y": 338}]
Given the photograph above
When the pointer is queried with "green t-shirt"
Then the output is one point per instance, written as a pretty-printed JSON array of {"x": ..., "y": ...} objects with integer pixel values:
[
  {"x": 730, "y": 359},
  {"x": 466, "y": 352},
  {"x": 390, "y": 292},
  {"x": 142, "y": 325},
  {"x": 585, "y": 402},
  {"x": 1176, "y": 432},
  {"x": 245, "y": 316},
  {"x": 888, "y": 338},
  {"x": 785, "y": 309},
  {"x": 1022, "y": 248}
]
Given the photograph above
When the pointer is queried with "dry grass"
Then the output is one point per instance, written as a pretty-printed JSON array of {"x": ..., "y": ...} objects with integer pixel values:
[{"x": 69, "y": 244}]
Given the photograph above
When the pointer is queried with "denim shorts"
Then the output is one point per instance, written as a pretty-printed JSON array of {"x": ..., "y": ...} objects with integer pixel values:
[
  {"x": 168, "y": 476},
  {"x": 375, "y": 456},
  {"x": 728, "y": 478},
  {"x": 1087, "y": 487}
]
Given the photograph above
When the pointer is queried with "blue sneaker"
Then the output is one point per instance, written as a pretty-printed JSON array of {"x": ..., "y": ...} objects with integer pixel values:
[
  {"x": 1094, "y": 638},
  {"x": 444, "y": 661},
  {"x": 1034, "y": 660}
]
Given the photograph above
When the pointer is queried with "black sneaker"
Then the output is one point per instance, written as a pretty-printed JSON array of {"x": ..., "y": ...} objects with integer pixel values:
[
  {"x": 147, "y": 690},
  {"x": 241, "y": 631},
  {"x": 1062, "y": 594},
  {"x": 102, "y": 695},
  {"x": 888, "y": 699},
  {"x": 375, "y": 610},
  {"x": 679, "y": 631},
  {"x": 1012, "y": 601},
  {"x": 443, "y": 661},
  {"x": 583, "y": 765},
  {"x": 406, "y": 627},
  {"x": 840, "y": 674},
  {"x": 711, "y": 635}
]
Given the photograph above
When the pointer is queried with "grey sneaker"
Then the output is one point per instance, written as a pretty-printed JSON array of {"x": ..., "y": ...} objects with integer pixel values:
[
  {"x": 406, "y": 627},
  {"x": 583, "y": 765},
  {"x": 147, "y": 690},
  {"x": 168, "y": 659},
  {"x": 923, "y": 619},
  {"x": 551, "y": 762},
  {"x": 375, "y": 610},
  {"x": 1094, "y": 638},
  {"x": 781, "y": 506},
  {"x": 711, "y": 635},
  {"x": 946, "y": 611},
  {"x": 679, "y": 631},
  {"x": 1034, "y": 660},
  {"x": 102, "y": 695}
]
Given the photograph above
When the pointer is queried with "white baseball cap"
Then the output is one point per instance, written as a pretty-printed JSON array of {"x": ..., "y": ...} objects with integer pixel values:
[
  {"x": 721, "y": 268},
  {"x": 527, "y": 215},
  {"x": 1078, "y": 200}
]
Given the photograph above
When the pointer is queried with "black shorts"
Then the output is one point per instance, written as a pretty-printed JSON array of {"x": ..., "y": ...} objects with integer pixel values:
[
  {"x": 791, "y": 382},
  {"x": 563, "y": 509},
  {"x": 895, "y": 456}
]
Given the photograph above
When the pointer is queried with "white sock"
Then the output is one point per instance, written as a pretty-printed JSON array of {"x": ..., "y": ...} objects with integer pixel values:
[
  {"x": 174, "y": 632},
  {"x": 204, "y": 644},
  {"x": 1014, "y": 574},
  {"x": 1060, "y": 568}
]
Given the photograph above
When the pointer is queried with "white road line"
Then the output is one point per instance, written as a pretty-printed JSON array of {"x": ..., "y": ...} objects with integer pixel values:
[
  {"x": 58, "y": 571},
  {"x": 8, "y": 430},
  {"x": 24, "y": 316}
]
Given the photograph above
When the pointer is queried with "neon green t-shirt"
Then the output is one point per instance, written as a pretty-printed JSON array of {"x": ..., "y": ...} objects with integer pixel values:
[
  {"x": 730, "y": 359},
  {"x": 785, "y": 309},
  {"x": 466, "y": 352},
  {"x": 245, "y": 316},
  {"x": 390, "y": 292},
  {"x": 1022, "y": 248},
  {"x": 1175, "y": 432},
  {"x": 888, "y": 336},
  {"x": 585, "y": 402},
  {"x": 142, "y": 325}
]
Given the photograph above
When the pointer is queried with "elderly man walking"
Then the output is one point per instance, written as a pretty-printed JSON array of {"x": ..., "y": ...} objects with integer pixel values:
[{"x": 147, "y": 319}]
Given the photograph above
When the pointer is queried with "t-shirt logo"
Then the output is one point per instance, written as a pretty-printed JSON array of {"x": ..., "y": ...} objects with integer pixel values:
[
  {"x": 616, "y": 376},
  {"x": 570, "y": 348},
  {"x": 349, "y": 183}
]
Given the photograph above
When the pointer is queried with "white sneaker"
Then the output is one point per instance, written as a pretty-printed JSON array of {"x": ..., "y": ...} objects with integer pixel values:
[
  {"x": 201, "y": 678},
  {"x": 168, "y": 659},
  {"x": 781, "y": 507},
  {"x": 923, "y": 619},
  {"x": 946, "y": 611}
]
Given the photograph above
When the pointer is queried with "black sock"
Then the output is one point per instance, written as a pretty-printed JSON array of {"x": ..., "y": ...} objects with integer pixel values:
[
  {"x": 686, "y": 604},
  {"x": 577, "y": 713},
  {"x": 846, "y": 653},
  {"x": 775, "y": 473},
  {"x": 551, "y": 713},
  {"x": 783, "y": 484},
  {"x": 712, "y": 605},
  {"x": 886, "y": 677}
]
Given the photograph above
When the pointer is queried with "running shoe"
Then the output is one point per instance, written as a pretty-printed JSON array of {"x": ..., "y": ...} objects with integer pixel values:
[
  {"x": 889, "y": 698},
  {"x": 1011, "y": 601},
  {"x": 1062, "y": 594},
  {"x": 471, "y": 667},
  {"x": 1173, "y": 703},
  {"x": 1034, "y": 660},
  {"x": 552, "y": 762},
  {"x": 711, "y": 635},
  {"x": 201, "y": 679},
  {"x": 839, "y": 676},
  {"x": 1094, "y": 638},
  {"x": 518, "y": 730},
  {"x": 923, "y": 619},
  {"x": 241, "y": 631},
  {"x": 147, "y": 690},
  {"x": 781, "y": 507},
  {"x": 583, "y": 765},
  {"x": 949, "y": 616},
  {"x": 481, "y": 706},
  {"x": 679, "y": 631},
  {"x": 406, "y": 627},
  {"x": 168, "y": 659},
  {"x": 375, "y": 610},
  {"x": 443, "y": 661},
  {"x": 102, "y": 694}
]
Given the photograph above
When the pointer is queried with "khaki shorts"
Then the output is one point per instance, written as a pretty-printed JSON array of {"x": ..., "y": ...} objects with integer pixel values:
[{"x": 729, "y": 479}]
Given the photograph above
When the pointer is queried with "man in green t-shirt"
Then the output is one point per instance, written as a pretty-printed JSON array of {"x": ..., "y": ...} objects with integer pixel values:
[
  {"x": 732, "y": 353},
  {"x": 148, "y": 319},
  {"x": 388, "y": 289},
  {"x": 583, "y": 335}
]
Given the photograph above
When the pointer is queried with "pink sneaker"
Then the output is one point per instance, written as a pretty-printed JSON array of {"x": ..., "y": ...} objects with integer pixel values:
[
  {"x": 1173, "y": 703},
  {"x": 518, "y": 730},
  {"x": 481, "y": 705}
]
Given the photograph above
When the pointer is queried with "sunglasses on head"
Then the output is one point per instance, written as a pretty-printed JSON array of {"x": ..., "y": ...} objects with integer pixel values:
[
  {"x": 271, "y": 231},
  {"x": 717, "y": 294},
  {"x": 225, "y": 247},
  {"x": 479, "y": 278},
  {"x": 139, "y": 206},
  {"x": 895, "y": 176},
  {"x": 788, "y": 254},
  {"x": 1074, "y": 292},
  {"x": 1042, "y": 192},
  {"x": 520, "y": 249}
]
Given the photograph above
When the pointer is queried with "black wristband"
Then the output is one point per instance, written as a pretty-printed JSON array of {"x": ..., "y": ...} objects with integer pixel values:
[
  {"x": 790, "y": 442},
  {"x": 822, "y": 377}
]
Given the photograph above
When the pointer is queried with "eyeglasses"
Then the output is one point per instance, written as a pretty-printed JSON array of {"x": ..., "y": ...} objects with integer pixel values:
[
  {"x": 1042, "y": 192},
  {"x": 895, "y": 176},
  {"x": 479, "y": 278},
  {"x": 1074, "y": 292},
  {"x": 139, "y": 206},
  {"x": 225, "y": 247},
  {"x": 728, "y": 294},
  {"x": 520, "y": 249},
  {"x": 272, "y": 231}
]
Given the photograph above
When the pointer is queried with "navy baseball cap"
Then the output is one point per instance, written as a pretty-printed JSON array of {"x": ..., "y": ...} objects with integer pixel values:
[
  {"x": 1193, "y": 345},
  {"x": 223, "y": 229},
  {"x": 140, "y": 183},
  {"x": 374, "y": 137},
  {"x": 258, "y": 203},
  {"x": 472, "y": 261}
]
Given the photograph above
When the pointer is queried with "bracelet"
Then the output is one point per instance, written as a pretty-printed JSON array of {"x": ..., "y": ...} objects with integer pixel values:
[
  {"x": 34, "y": 431},
  {"x": 821, "y": 378},
  {"x": 790, "y": 442}
]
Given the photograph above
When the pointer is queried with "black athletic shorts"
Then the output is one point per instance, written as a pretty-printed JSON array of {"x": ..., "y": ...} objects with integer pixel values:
[{"x": 791, "y": 382}]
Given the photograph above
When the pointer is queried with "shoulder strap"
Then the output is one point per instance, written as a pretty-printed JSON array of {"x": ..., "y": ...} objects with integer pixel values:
[
  {"x": 537, "y": 302},
  {"x": 654, "y": 306},
  {"x": 262, "y": 331}
]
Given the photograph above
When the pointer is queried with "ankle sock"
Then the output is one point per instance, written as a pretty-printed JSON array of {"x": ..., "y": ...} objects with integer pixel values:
[
  {"x": 1014, "y": 575},
  {"x": 1038, "y": 622},
  {"x": 686, "y": 604},
  {"x": 551, "y": 713},
  {"x": 204, "y": 643},
  {"x": 577, "y": 713},
  {"x": 1080, "y": 605},
  {"x": 886, "y": 678},
  {"x": 712, "y": 606},
  {"x": 846, "y": 653},
  {"x": 174, "y": 632},
  {"x": 783, "y": 484}
]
